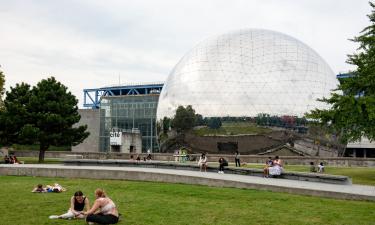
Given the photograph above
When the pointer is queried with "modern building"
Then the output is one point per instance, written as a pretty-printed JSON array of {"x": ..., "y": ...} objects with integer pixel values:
[
  {"x": 129, "y": 112},
  {"x": 242, "y": 73},
  {"x": 129, "y": 109}
]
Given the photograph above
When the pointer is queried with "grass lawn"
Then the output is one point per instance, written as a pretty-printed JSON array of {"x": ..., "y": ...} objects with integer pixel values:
[
  {"x": 34, "y": 160},
  {"x": 161, "y": 203},
  {"x": 233, "y": 128},
  {"x": 359, "y": 175}
]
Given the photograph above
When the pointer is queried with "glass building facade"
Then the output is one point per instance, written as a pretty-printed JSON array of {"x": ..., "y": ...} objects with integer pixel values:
[
  {"x": 248, "y": 72},
  {"x": 127, "y": 113}
]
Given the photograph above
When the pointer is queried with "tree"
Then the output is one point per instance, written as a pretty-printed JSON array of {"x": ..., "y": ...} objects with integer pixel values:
[
  {"x": 184, "y": 119},
  {"x": 214, "y": 123},
  {"x": 352, "y": 112},
  {"x": 48, "y": 112},
  {"x": 166, "y": 123},
  {"x": 15, "y": 114},
  {"x": 2, "y": 82}
]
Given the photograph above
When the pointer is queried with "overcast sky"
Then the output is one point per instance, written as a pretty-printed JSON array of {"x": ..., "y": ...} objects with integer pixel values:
[{"x": 90, "y": 44}]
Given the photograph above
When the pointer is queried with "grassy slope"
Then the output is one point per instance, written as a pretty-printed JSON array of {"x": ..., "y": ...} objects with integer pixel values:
[
  {"x": 233, "y": 128},
  {"x": 160, "y": 203}
]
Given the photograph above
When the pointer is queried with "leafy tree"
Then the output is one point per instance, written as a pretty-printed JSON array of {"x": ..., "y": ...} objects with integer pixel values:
[
  {"x": 352, "y": 112},
  {"x": 199, "y": 120},
  {"x": 214, "y": 123},
  {"x": 166, "y": 123},
  {"x": 44, "y": 115},
  {"x": 184, "y": 119}
]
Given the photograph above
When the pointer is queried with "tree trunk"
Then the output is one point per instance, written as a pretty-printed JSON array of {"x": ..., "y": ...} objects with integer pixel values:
[{"x": 42, "y": 150}]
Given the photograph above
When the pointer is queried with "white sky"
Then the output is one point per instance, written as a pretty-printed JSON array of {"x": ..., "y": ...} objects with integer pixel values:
[{"x": 90, "y": 44}]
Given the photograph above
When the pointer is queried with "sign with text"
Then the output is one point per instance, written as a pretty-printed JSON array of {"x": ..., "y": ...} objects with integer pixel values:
[{"x": 115, "y": 138}]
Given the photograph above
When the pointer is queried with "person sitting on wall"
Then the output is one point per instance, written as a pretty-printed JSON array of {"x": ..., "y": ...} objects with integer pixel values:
[
  {"x": 269, "y": 163},
  {"x": 222, "y": 164},
  {"x": 321, "y": 168},
  {"x": 277, "y": 167},
  {"x": 149, "y": 157},
  {"x": 138, "y": 158},
  {"x": 202, "y": 163}
]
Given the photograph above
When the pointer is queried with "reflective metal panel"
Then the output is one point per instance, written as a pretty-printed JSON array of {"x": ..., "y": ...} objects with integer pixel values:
[{"x": 248, "y": 72}]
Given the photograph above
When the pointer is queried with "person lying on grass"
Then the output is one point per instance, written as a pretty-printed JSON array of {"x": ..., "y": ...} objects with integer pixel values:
[
  {"x": 39, "y": 189},
  {"x": 78, "y": 203}
]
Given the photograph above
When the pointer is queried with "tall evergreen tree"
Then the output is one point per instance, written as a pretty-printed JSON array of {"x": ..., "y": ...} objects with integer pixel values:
[
  {"x": 44, "y": 115},
  {"x": 352, "y": 112},
  {"x": 2, "y": 83}
]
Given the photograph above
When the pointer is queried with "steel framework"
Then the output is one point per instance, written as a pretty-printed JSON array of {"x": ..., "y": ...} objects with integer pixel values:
[{"x": 92, "y": 97}]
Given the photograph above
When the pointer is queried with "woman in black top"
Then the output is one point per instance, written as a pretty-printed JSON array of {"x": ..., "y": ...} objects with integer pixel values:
[{"x": 78, "y": 203}]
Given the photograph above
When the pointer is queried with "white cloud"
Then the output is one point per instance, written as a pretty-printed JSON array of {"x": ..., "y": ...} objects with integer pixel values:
[{"x": 87, "y": 44}]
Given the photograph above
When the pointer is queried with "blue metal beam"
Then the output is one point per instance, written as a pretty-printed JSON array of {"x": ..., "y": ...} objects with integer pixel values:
[{"x": 92, "y": 97}]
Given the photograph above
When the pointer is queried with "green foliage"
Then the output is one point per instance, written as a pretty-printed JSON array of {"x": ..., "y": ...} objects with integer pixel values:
[
  {"x": 214, "y": 122},
  {"x": 36, "y": 147},
  {"x": 44, "y": 115},
  {"x": 264, "y": 119},
  {"x": 2, "y": 83},
  {"x": 15, "y": 114},
  {"x": 177, "y": 204},
  {"x": 200, "y": 121},
  {"x": 166, "y": 124},
  {"x": 352, "y": 112},
  {"x": 184, "y": 119}
]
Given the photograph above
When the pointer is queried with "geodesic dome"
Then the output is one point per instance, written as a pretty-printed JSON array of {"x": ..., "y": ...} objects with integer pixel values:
[{"x": 245, "y": 73}]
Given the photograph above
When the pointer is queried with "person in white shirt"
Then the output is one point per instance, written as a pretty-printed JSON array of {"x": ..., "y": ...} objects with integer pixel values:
[{"x": 202, "y": 163}]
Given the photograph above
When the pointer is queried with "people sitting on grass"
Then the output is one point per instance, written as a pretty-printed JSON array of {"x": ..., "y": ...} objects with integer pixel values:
[
  {"x": 202, "y": 163},
  {"x": 78, "y": 203},
  {"x": 312, "y": 167},
  {"x": 321, "y": 168},
  {"x": 276, "y": 168},
  {"x": 104, "y": 210},
  {"x": 222, "y": 164},
  {"x": 39, "y": 189}
]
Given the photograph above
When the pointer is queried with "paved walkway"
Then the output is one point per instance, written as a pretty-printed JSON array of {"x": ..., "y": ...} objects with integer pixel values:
[{"x": 360, "y": 192}]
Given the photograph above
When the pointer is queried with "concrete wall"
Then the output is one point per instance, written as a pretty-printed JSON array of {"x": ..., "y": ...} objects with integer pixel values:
[
  {"x": 131, "y": 139},
  {"x": 288, "y": 160},
  {"x": 91, "y": 118},
  {"x": 247, "y": 144}
]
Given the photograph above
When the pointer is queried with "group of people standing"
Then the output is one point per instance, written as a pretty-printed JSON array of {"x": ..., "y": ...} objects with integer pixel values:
[{"x": 103, "y": 211}]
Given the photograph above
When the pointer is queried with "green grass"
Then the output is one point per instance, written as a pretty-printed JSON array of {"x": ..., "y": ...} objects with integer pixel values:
[
  {"x": 359, "y": 175},
  {"x": 161, "y": 203},
  {"x": 36, "y": 147},
  {"x": 233, "y": 128},
  {"x": 34, "y": 160}
]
